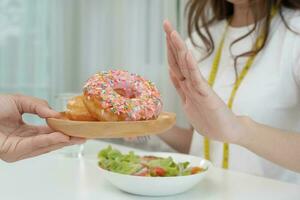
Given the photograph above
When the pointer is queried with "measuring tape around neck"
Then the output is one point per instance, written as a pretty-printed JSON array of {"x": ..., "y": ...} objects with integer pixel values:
[{"x": 240, "y": 78}]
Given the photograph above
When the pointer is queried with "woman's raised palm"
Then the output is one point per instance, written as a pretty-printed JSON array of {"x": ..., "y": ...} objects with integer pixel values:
[{"x": 207, "y": 113}]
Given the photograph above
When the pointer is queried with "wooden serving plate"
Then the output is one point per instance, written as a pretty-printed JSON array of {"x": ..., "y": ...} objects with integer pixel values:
[{"x": 97, "y": 129}]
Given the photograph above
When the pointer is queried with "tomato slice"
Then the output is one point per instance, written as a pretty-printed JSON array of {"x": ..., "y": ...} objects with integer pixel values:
[
  {"x": 196, "y": 170},
  {"x": 158, "y": 171}
]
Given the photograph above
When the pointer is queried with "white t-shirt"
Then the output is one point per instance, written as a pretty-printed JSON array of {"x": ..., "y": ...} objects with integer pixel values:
[{"x": 269, "y": 94}]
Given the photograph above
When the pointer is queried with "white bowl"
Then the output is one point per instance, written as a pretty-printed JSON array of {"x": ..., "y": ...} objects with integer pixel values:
[{"x": 159, "y": 186}]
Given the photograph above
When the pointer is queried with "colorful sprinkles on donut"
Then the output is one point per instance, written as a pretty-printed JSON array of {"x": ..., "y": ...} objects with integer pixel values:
[{"x": 122, "y": 93}]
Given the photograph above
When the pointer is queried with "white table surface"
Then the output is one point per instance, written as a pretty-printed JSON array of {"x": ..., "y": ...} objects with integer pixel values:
[{"x": 55, "y": 176}]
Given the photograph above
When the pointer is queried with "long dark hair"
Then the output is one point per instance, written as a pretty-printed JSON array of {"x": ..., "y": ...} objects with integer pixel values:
[{"x": 198, "y": 20}]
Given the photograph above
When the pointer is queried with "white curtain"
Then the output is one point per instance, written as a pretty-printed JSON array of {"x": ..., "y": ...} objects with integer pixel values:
[
  {"x": 48, "y": 47},
  {"x": 24, "y": 52}
]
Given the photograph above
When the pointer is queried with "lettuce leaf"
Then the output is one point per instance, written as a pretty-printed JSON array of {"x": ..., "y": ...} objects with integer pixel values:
[{"x": 130, "y": 163}]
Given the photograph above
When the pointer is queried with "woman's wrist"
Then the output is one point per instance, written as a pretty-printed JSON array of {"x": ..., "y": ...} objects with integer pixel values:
[
  {"x": 178, "y": 138},
  {"x": 246, "y": 132}
]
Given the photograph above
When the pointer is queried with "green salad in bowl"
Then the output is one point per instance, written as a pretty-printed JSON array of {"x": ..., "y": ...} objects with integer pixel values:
[{"x": 149, "y": 166}]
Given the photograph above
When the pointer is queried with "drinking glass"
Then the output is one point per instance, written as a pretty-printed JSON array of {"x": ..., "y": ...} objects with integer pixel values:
[{"x": 61, "y": 101}]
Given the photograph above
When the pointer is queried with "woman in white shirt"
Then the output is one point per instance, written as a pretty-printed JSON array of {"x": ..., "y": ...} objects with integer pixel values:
[{"x": 249, "y": 53}]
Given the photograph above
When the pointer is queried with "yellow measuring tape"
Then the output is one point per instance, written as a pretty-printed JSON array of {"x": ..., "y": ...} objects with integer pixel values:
[{"x": 211, "y": 81}]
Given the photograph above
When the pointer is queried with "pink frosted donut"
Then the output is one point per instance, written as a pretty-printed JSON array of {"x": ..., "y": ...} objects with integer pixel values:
[{"x": 118, "y": 95}]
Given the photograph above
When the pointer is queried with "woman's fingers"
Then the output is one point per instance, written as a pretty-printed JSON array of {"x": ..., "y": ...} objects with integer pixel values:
[
  {"x": 31, "y": 130},
  {"x": 176, "y": 84},
  {"x": 34, "y": 105},
  {"x": 44, "y": 140},
  {"x": 168, "y": 27},
  {"x": 16, "y": 147},
  {"x": 168, "y": 30},
  {"x": 183, "y": 65},
  {"x": 39, "y": 144},
  {"x": 43, "y": 129},
  {"x": 194, "y": 75},
  {"x": 173, "y": 59},
  {"x": 44, "y": 150},
  {"x": 180, "y": 52},
  {"x": 171, "y": 51},
  {"x": 39, "y": 141}
]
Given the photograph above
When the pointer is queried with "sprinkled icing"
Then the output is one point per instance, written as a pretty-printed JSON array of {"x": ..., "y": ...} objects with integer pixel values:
[{"x": 140, "y": 99}]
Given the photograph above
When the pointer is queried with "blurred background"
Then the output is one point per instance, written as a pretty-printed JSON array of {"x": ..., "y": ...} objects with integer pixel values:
[{"x": 48, "y": 48}]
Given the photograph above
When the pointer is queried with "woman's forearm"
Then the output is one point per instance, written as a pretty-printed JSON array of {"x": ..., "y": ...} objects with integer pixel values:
[
  {"x": 178, "y": 138},
  {"x": 279, "y": 146}
]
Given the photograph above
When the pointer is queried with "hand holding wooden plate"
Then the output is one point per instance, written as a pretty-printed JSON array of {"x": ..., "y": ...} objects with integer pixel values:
[{"x": 116, "y": 129}]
